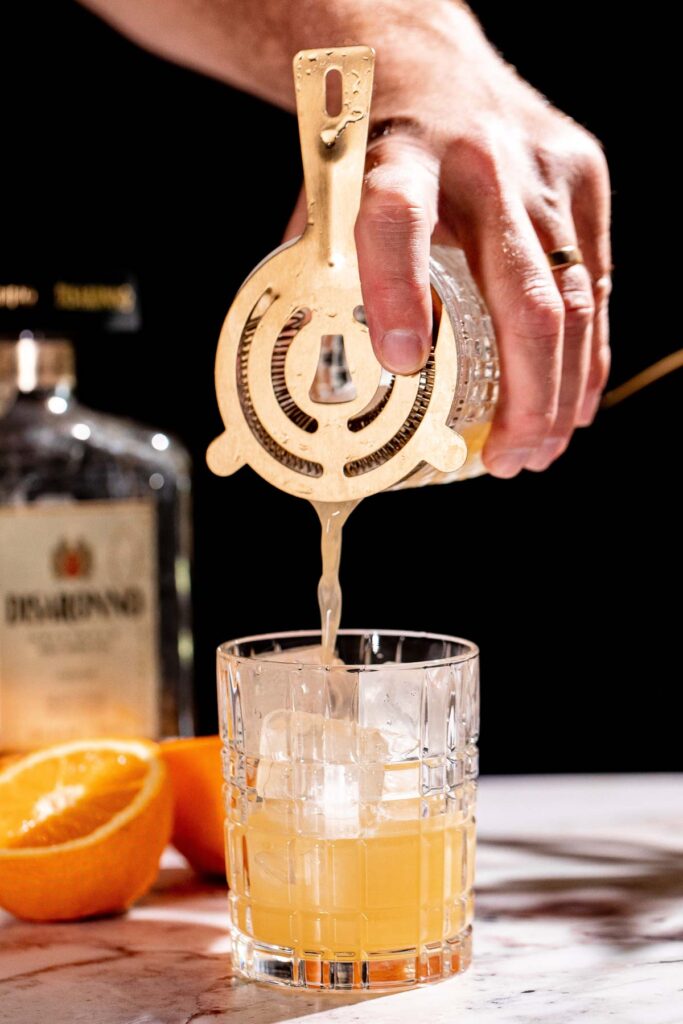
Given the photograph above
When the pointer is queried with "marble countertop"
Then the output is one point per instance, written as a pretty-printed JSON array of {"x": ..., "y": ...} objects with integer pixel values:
[{"x": 579, "y": 917}]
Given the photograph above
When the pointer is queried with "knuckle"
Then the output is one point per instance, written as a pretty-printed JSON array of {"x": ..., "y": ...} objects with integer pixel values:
[
  {"x": 391, "y": 200},
  {"x": 572, "y": 153},
  {"x": 551, "y": 161},
  {"x": 592, "y": 160},
  {"x": 539, "y": 313},
  {"x": 602, "y": 288},
  {"x": 527, "y": 427},
  {"x": 474, "y": 157},
  {"x": 548, "y": 206},
  {"x": 404, "y": 286},
  {"x": 593, "y": 152},
  {"x": 579, "y": 309}
]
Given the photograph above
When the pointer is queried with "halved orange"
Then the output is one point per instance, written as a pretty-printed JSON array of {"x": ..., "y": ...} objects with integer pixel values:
[
  {"x": 198, "y": 832},
  {"x": 82, "y": 828}
]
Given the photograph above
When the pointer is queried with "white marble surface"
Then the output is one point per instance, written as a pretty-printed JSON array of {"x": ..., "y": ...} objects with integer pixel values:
[{"x": 579, "y": 917}]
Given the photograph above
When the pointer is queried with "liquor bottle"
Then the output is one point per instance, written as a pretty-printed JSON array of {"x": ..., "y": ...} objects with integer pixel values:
[{"x": 94, "y": 562}]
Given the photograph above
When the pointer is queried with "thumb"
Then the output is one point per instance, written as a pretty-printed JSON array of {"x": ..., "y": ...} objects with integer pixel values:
[{"x": 397, "y": 215}]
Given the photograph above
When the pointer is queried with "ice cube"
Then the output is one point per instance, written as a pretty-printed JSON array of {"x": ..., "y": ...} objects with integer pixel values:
[
  {"x": 331, "y": 767},
  {"x": 303, "y": 736},
  {"x": 390, "y": 702}
]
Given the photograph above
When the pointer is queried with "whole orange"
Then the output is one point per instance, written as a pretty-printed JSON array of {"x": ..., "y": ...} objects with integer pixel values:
[{"x": 198, "y": 832}]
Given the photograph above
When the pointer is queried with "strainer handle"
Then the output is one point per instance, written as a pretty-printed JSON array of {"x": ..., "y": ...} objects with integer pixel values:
[{"x": 333, "y": 146}]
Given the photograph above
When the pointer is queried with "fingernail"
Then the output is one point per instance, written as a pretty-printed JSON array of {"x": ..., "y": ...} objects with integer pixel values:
[
  {"x": 403, "y": 351},
  {"x": 510, "y": 463}
]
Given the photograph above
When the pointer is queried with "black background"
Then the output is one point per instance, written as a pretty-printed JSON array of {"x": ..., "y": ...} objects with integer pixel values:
[{"x": 113, "y": 158}]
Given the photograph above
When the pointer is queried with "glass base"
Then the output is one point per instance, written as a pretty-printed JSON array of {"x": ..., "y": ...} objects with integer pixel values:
[{"x": 397, "y": 969}]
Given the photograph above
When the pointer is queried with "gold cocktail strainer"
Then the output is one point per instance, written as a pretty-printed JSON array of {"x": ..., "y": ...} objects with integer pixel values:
[{"x": 304, "y": 400}]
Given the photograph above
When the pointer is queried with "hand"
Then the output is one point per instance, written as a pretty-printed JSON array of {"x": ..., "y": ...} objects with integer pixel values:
[
  {"x": 463, "y": 150},
  {"x": 467, "y": 152}
]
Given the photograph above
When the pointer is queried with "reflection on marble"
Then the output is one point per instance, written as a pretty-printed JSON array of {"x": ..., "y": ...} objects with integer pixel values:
[{"x": 579, "y": 916}]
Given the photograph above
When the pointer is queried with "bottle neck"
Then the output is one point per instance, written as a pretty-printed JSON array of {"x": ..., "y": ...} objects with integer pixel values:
[
  {"x": 37, "y": 369},
  {"x": 62, "y": 391}
]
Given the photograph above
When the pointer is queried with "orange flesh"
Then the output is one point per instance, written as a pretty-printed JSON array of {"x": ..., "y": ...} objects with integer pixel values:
[{"x": 67, "y": 797}]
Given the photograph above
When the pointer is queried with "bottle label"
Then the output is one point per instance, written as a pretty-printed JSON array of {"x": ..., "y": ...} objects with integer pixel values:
[{"x": 78, "y": 621}]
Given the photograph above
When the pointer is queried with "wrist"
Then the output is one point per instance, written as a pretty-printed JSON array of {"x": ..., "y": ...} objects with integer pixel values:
[{"x": 405, "y": 43}]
